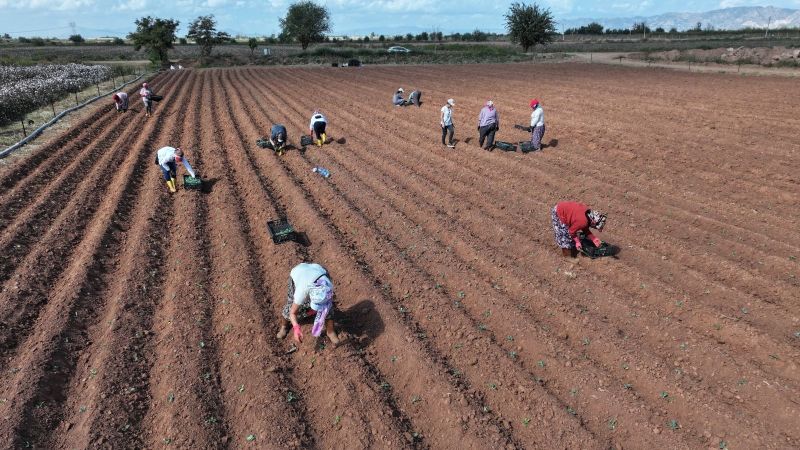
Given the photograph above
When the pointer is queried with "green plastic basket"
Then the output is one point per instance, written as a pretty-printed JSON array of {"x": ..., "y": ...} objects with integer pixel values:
[{"x": 190, "y": 182}]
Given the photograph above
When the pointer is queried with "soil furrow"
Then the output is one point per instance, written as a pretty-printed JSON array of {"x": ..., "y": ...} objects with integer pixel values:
[
  {"x": 361, "y": 393},
  {"x": 399, "y": 351},
  {"x": 184, "y": 377},
  {"x": 55, "y": 244},
  {"x": 362, "y": 164},
  {"x": 109, "y": 401},
  {"x": 38, "y": 390}
]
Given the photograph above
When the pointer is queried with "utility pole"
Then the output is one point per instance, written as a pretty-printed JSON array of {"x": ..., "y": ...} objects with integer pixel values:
[{"x": 766, "y": 32}]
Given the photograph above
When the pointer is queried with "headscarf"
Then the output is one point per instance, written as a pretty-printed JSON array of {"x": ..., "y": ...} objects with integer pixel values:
[
  {"x": 321, "y": 296},
  {"x": 596, "y": 219},
  {"x": 534, "y": 103},
  {"x": 490, "y": 104}
]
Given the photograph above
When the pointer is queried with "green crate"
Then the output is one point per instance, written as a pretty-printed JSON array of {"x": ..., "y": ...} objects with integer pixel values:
[{"x": 190, "y": 182}]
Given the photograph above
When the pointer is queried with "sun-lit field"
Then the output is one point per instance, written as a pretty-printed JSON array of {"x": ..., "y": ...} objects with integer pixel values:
[{"x": 133, "y": 318}]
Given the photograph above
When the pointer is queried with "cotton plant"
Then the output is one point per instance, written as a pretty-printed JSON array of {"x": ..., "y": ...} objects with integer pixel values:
[{"x": 26, "y": 88}]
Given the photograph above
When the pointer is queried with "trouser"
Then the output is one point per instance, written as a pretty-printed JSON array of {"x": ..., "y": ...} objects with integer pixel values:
[
  {"x": 487, "y": 134},
  {"x": 536, "y": 137},
  {"x": 319, "y": 129},
  {"x": 148, "y": 106},
  {"x": 448, "y": 131},
  {"x": 171, "y": 173}
]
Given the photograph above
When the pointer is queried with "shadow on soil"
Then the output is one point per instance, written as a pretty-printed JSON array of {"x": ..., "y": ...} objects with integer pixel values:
[
  {"x": 208, "y": 185},
  {"x": 341, "y": 141},
  {"x": 362, "y": 322},
  {"x": 553, "y": 144}
]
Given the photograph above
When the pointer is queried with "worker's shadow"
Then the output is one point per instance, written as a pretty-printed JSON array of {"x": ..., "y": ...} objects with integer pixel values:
[
  {"x": 362, "y": 322},
  {"x": 208, "y": 185},
  {"x": 553, "y": 144}
]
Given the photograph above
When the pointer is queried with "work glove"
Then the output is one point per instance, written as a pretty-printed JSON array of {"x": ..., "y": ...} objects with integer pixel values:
[
  {"x": 596, "y": 241},
  {"x": 578, "y": 244},
  {"x": 298, "y": 333}
]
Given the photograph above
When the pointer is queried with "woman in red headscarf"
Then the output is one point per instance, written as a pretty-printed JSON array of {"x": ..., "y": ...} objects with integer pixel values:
[{"x": 537, "y": 124}]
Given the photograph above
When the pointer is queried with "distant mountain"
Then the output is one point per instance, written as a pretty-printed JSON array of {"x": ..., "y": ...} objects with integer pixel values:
[{"x": 720, "y": 19}]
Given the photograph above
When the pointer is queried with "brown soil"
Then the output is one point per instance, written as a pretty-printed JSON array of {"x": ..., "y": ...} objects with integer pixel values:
[{"x": 132, "y": 318}]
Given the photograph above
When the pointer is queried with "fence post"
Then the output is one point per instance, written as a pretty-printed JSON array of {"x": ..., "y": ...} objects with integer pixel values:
[
  {"x": 98, "y": 89},
  {"x": 24, "y": 132},
  {"x": 76, "y": 98},
  {"x": 53, "y": 107},
  {"x": 590, "y": 58}
]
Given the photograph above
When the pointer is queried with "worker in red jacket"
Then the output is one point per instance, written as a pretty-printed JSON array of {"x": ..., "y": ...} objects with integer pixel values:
[{"x": 571, "y": 221}]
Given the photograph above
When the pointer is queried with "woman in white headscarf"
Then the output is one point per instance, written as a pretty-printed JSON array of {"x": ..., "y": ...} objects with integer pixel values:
[{"x": 310, "y": 293}]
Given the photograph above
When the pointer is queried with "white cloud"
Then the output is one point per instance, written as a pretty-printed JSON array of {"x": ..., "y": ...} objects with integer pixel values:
[
  {"x": 57, "y": 5},
  {"x": 131, "y": 5}
]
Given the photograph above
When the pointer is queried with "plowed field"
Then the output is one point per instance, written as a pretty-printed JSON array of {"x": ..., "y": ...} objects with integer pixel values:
[{"x": 132, "y": 318}]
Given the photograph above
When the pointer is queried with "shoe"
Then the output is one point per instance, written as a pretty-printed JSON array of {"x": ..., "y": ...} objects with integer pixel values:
[
  {"x": 324, "y": 138},
  {"x": 282, "y": 332},
  {"x": 451, "y": 145},
  {"x": 319, "y": 142},
  {"x": 171, "y": 186}
]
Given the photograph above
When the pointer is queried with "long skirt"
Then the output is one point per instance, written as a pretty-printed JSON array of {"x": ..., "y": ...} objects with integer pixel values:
[
  {"x": 305, "y": 309},
  {"x": 536, "y": 137}
]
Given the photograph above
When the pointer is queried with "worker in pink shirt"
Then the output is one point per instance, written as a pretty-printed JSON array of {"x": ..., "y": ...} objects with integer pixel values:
[{"x": 571, "y": 222}]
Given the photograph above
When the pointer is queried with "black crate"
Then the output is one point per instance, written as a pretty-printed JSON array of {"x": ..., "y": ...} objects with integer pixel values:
[
  {"x": 281, "y": 231},
  {"x": 306, "y": 140},
  {"x": 505, "y": 146},
  {"x": 190, "y": 182}
]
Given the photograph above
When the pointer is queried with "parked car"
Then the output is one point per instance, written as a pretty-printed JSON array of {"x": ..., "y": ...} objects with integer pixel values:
[{"x": 398, "y": 49}]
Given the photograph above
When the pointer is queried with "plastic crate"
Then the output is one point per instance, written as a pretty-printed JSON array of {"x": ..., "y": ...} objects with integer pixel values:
[
  {"x": 281, "y": 231},
  {"x": 306, "y": 140},
  {"x": 190, "y": 182},
  {"x": 505, "y": 146}
]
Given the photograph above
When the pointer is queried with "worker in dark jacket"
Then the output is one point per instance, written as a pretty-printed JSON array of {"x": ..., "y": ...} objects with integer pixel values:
[{"x": 277, "y": 138}]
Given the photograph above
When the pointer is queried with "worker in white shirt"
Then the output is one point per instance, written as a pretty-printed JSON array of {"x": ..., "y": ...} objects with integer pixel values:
[
  {"x": 446, "y": 122},
  {"x": 310, "y": 293},
  {"x": 317, "y": 127},
  {"x": 537, "y": 124},
  {"x": 167, "y": 159},
  {"x": 146, "y": 93}
]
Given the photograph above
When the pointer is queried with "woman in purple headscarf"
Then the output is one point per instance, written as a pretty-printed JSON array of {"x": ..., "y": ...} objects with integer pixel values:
[{"x": 310, "y": 293}]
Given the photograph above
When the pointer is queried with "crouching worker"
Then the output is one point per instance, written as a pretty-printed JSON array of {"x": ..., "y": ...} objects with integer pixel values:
[
  {"x": 121, "y": 101},
  {"x": 571, "y": 220},
  {"x": 277, "y": 138},
  {"x": 397, "y": 99},
  {"x": 310, "y": 294},
  {"x": 414, "y": 98},
  {"x": 317, "y": 126},
  {"x": 167, "y": 159}
]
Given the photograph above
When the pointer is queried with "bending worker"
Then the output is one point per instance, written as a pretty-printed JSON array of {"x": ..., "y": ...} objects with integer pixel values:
[
  {"x": 397, "y": 99},
  {"x": 277, "y": 137},
  {"x": 317, "y": 126},
  {"x": 488, "y": 124},
  {"x": 310, "y": 293},
  {"x": 146, "y": 93},
  {"x": 414, "y": 98},
  {"x": 167, "y": 159},
  {"x": 121, "y": 101},
  {"x": 571, "y": 221}
]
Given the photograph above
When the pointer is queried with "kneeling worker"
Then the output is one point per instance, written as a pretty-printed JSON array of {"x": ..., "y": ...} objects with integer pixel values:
[
  {"x": 397, "y": 99},
  {"x": 277, "y": 138},
  {"x": 310, "y": 293},
  {"x": 167, "y": 159}
]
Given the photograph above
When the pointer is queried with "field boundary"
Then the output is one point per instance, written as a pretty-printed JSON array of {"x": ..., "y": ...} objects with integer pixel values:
[{"x": 35, "y": 133}]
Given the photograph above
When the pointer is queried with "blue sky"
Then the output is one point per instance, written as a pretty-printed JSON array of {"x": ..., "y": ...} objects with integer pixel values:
[{"x": 52, "y": 18}]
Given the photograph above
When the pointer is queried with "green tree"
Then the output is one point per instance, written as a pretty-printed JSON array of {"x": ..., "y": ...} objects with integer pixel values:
[
  {"x": 252, "y": 43},
  {"x": 204, "y": 32},
  {"x": 117, "y": 41},
  {"x": 306, "y": 22},
  {"x": 529, "y": 25},
  {"x": 156, "y": 36},
  {"x": 77, "y": 39}
]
